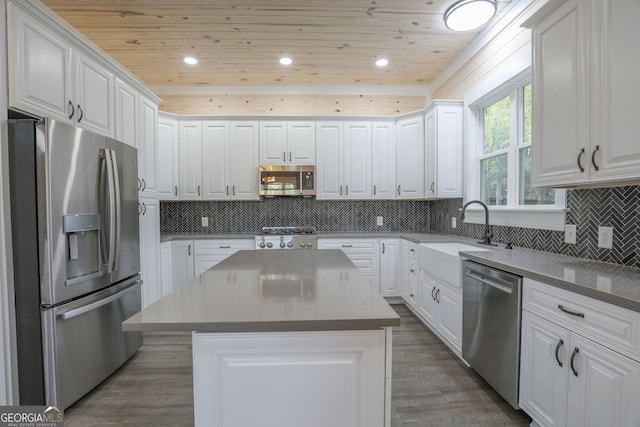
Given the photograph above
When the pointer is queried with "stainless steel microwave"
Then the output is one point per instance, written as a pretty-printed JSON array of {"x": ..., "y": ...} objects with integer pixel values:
[{"x": 284, "y": 180}]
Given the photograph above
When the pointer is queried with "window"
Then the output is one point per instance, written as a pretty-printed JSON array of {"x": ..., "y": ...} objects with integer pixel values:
[{"x": 499, "y": 166}]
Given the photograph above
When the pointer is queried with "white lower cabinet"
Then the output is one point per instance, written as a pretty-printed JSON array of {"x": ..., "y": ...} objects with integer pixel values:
[
  {"x": 441, "y": 307},
  {"x": 363, "y": 253},
  {"x": 166, "y": 270},
  {"x": 182, "y": 254},
  {"x": 568, "y": 377},
  {"x": 410, "y": 273},
  {"x": 390, "y": 282},
  {"x": 312, "y": 379},
  {"x": 210, "y": 252},
  {"x": 149, "y": 221}
]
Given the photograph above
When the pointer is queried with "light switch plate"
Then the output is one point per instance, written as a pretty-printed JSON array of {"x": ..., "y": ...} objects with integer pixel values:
[
  {"x": 570, "y": 233},
  {"x": 205, "y": 221},
  {"x": 380, "y": 220},
  {"x": 454, "y": 222},
  {"x": 605, "y": 237}
]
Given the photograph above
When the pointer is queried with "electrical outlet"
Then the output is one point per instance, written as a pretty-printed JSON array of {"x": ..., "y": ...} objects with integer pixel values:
[
  {"x": 205, "y": 221},
  {"x": 454, "y": 222},
  {"x": 570, "y": 233},
  {"x": 605, "y": 237},
  {"x": 380, "y": 220}
]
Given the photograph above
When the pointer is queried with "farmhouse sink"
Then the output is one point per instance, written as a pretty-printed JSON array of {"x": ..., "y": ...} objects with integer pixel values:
[{"x": 442, "y": 260}]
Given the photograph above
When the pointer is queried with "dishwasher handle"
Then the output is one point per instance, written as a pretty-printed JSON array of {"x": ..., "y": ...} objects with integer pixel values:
[{"x": 490, "y": 282}]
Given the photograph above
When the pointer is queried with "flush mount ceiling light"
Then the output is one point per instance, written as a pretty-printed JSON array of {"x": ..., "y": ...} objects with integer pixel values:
[
  {"x": 190, "y": 60},
  {"x": 286, "y": 60},
  {"x": 382, "y": 62},
  {"x": 467, "y": 15}
]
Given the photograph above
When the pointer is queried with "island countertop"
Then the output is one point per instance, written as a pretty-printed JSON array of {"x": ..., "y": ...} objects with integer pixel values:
[{"x": 271, "y": 291}]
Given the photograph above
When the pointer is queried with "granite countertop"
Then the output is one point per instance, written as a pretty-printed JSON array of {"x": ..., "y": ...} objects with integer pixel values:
[
  {"x": 271, "y": 291},
  {"x": 616, "y": 284}
]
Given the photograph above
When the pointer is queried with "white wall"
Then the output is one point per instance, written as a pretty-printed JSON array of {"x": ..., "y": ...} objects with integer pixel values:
[{"x": 7, "y": 344}]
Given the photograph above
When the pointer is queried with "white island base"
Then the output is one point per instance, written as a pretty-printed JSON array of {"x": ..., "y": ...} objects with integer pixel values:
[{"x": 292, "y": 379}]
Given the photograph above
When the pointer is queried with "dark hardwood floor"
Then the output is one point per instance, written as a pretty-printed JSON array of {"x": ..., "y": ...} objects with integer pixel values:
[{"x": 431, "y": 386}]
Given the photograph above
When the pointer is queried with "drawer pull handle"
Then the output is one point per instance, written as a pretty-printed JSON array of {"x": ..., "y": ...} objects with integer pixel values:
[
  {"x": 225, "y": 247},
  {"x": 560, "y": 344},
  {"x": 189, "y": 250},
  {"x": 580, "y": 163},
  {"x": 573, "y": 356},
  {"x": 437, "y": 294},
  {"x": 433, "y": 297},
  {"x": 573, "y": 313},
  {"x": 347, "y": 246},
  {"x": 593, "y": 158}
]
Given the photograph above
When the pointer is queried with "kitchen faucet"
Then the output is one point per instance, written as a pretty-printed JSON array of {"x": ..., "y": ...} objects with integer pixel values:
[{"x": 486, "y": 240}]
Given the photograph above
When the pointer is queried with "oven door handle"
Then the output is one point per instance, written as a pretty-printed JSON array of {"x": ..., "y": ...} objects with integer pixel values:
[{"x": 494, "y": 284}]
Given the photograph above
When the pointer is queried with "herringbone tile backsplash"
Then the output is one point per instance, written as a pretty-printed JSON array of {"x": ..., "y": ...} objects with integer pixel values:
[
  {"x": 618, "y": 207},
  {"x": 326, "y": 215}
]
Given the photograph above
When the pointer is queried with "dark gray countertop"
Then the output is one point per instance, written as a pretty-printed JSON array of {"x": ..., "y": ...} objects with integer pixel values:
[
  {"x": 611, "y": 283},
  {"x": 271, "y": 291}
]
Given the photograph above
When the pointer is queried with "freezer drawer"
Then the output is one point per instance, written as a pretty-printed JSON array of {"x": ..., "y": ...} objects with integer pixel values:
[{"x": 84, "y": 342}]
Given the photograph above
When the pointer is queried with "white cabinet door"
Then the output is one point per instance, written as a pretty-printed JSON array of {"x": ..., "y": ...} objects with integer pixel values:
[
  {"x": 166, "y": 274},
  {"x": 443, "y": 149},
  {"x": 357, "y": 160},
  {"x": 190, "y": 160},
  {"x": 147, "y": 144},
  {"x": 94, "y": 95},
  {"x": 544, "y": 362},
  {"x": 390, "y": 280},
  {"x": 150, "y": 251},
  {"x": 168, "y": 155},
  {"x": 329, "y": 157},
  {"x": 182, "y": 265},
  {"x": 450, "y": 315},
  {"x": 273, "y": 143},
  {"x": 410, "y": 158},
  {"x": 603, "y": 387},
  {"x": 301, "y": 141},
  {"x": 244, "y": 151},
  {"x": 40, "y": 67},
  {"x": 561, "y": 147},
  {"x": 383, "y": 160},
  {"x": 614, "y": 90},
  {"x": 427, "y": 305},
  {"x": 126, "y": 113},
  {"x": 216, "y": 160}
]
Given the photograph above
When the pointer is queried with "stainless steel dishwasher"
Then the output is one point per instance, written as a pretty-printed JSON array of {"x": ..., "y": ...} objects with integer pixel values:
[{"x": 491, "y": 327}]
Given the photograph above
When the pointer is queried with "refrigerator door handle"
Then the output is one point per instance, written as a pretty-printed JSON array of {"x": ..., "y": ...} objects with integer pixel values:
[
  {"x": 118, "y": 211},
  {"x": 70, "y": 314},
  {"x": 106, "y": 154}
]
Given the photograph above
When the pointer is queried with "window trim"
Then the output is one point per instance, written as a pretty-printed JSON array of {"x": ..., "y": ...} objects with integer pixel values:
[{"x": 546, "y": 217}]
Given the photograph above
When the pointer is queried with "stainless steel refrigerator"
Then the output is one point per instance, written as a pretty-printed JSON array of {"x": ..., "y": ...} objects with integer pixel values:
[{"x": 74, "y": 215}]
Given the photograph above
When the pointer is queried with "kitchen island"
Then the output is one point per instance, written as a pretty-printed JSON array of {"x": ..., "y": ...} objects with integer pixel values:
[{"x": 283, "y": 338}]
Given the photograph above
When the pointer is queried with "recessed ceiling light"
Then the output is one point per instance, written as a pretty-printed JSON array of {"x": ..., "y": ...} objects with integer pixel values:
[
  {"x": 286, "y": 60},
  {"x": 190, "y": 60},
  {"x": 467, "y": 15},
  {"x": 382, "y": 62}
]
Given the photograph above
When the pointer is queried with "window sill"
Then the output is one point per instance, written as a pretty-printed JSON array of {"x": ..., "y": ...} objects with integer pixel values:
[{"x": 538, "y": 218}]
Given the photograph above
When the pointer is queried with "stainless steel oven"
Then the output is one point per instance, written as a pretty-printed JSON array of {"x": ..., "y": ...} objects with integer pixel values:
[{"x": 283, "y": 180}]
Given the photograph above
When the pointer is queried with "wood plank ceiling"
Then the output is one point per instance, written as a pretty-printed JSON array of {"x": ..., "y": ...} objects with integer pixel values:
[{"x": 239, "y": 42}]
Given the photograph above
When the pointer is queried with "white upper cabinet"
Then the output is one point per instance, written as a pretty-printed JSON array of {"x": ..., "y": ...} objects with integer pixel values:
[
  {"x": 443, "y": 149},
  {"x": 410, "y": 158},
  {"x": 147, "y": 144},
  {"x": 283, "y": 143},
  {"x": 329, "y": 171},
  {"x": 244, "y": 152},
  {"x": 190, "y": 160},
  {"x": 343, "y": 152},
  {"x": 95, "y": 88},
  {"x": 357, "y": 160},
  {"x": 40, "y": 67},
  {"x": 383, "y": 160},
  {"x": 585, "y": 93},
  {"x": 219, "y": 160},
  {"x": 168, "y": 155},
  {"x": 126, "y": 113},
  {"x": 48, "y": 76}
]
